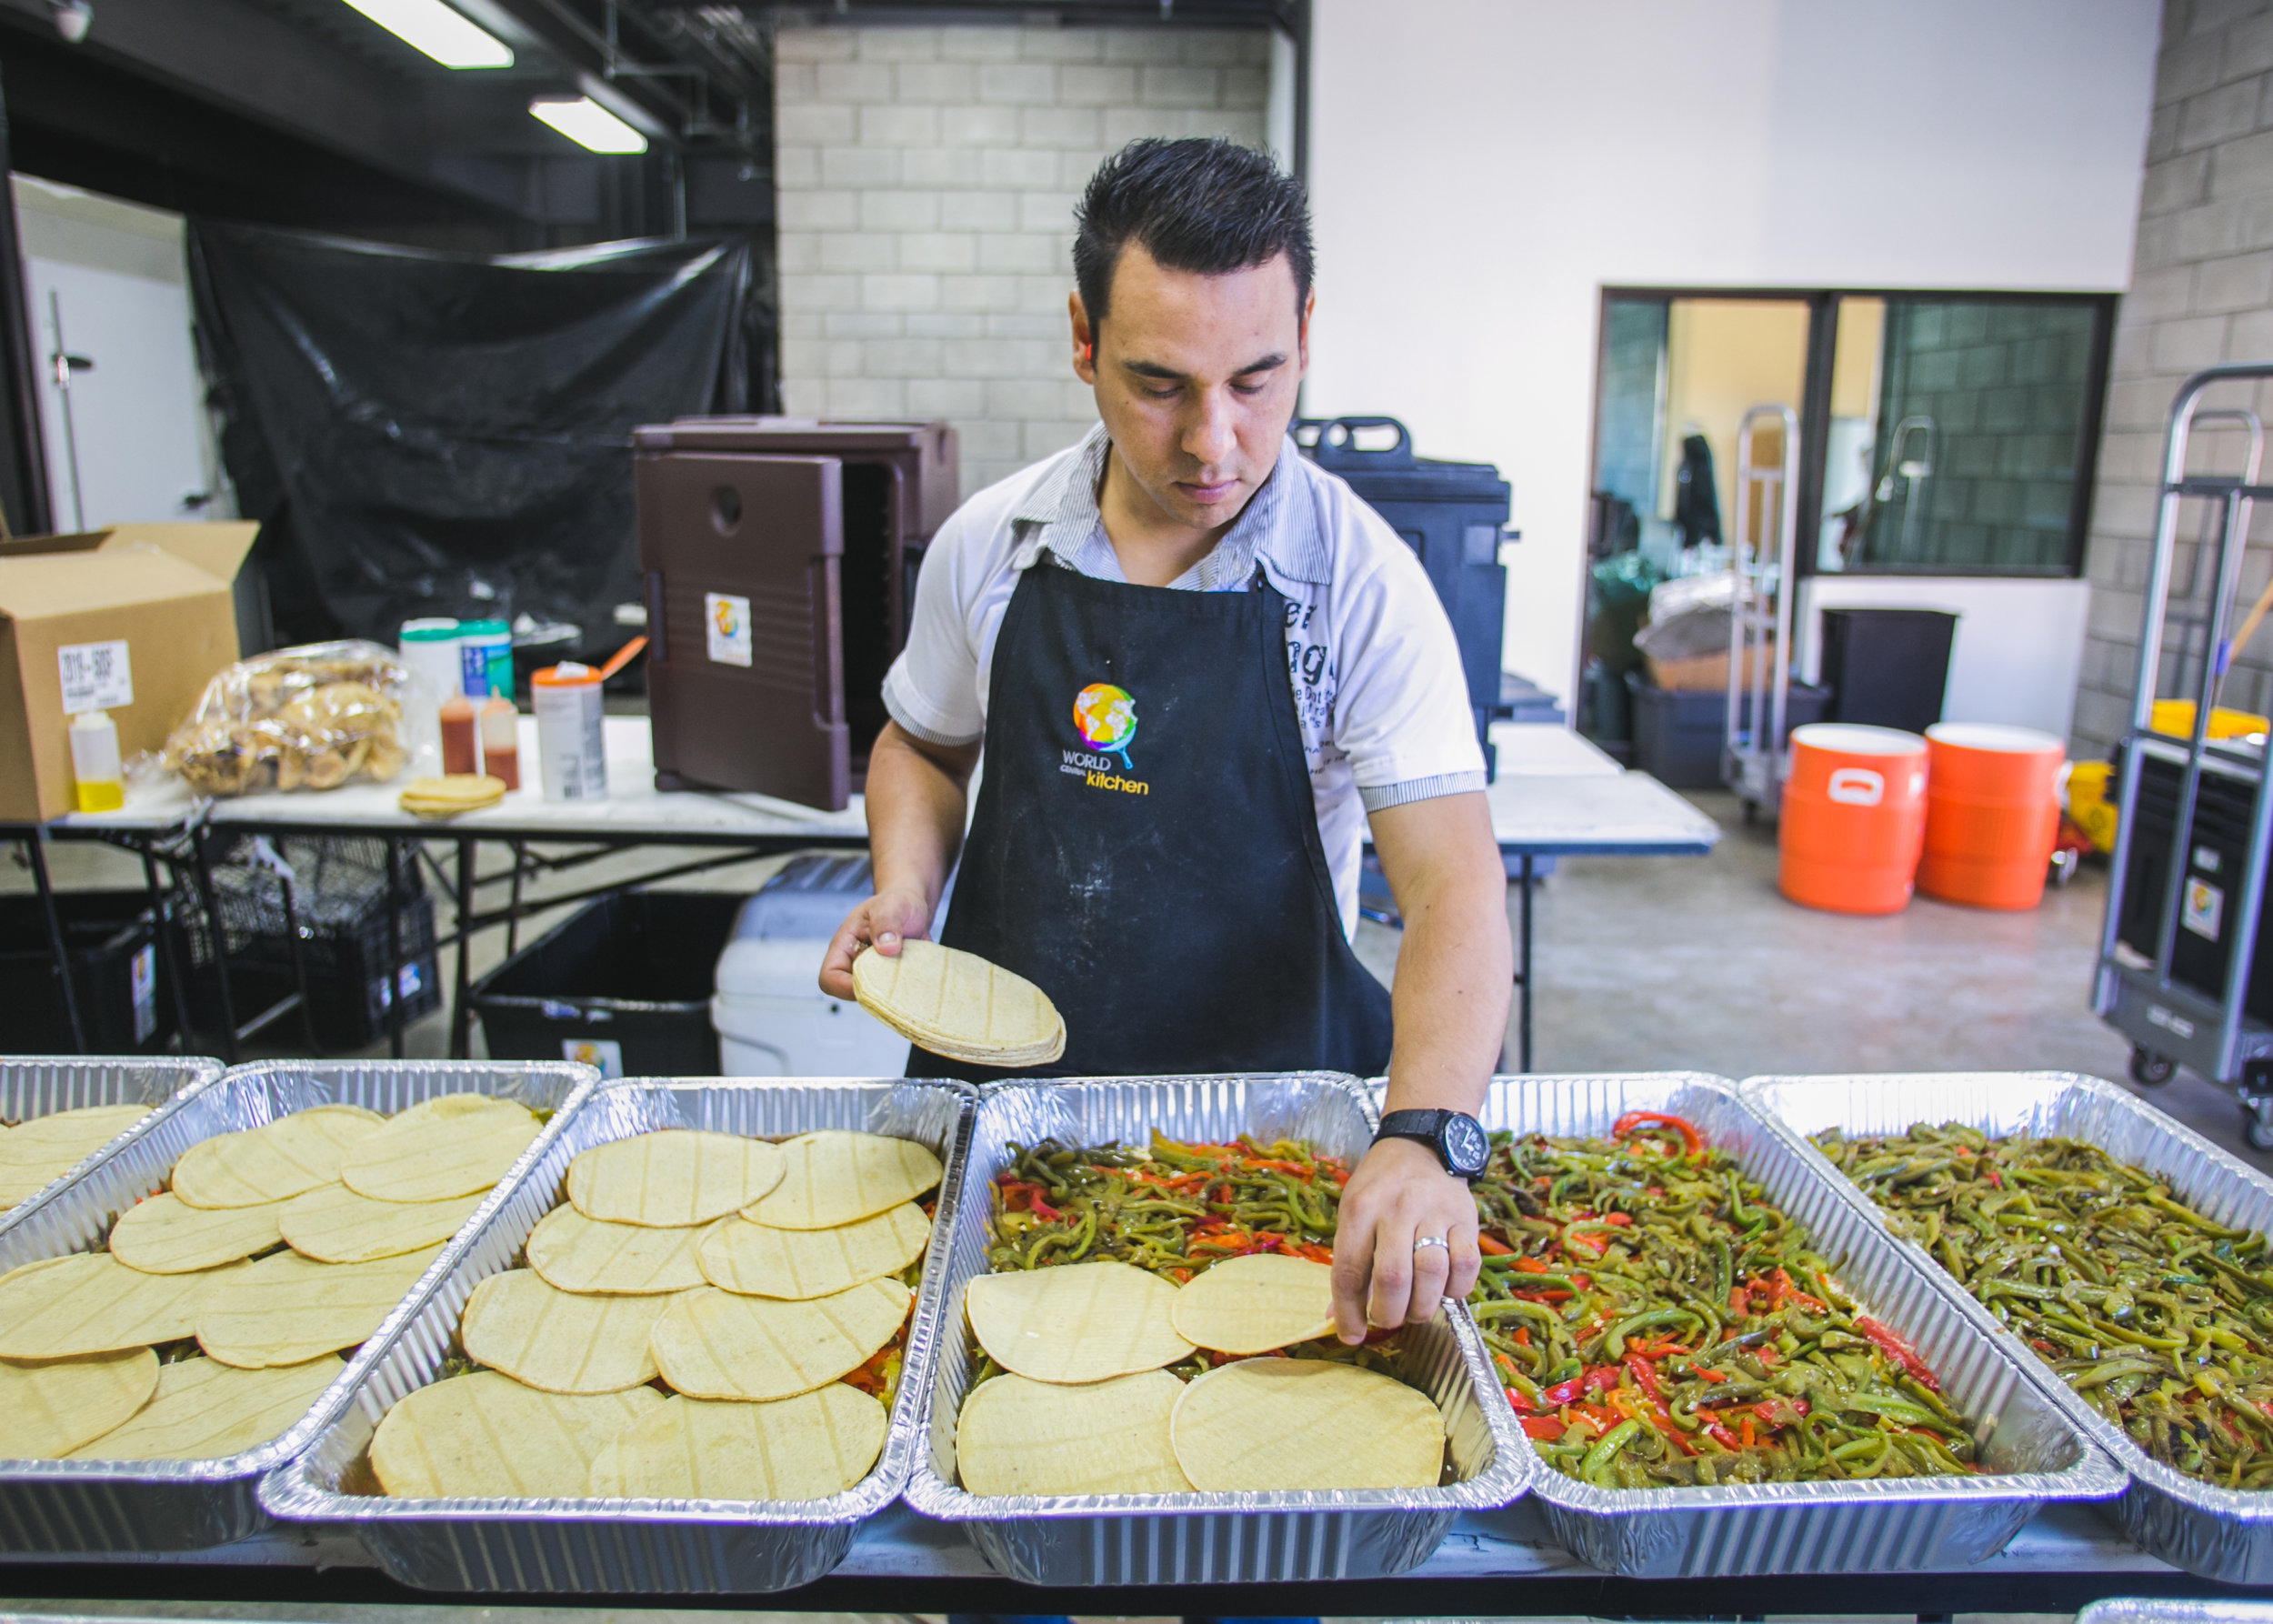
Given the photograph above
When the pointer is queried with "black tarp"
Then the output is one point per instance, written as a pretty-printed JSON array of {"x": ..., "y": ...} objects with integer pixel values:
[{"x": 446, "y": 434}]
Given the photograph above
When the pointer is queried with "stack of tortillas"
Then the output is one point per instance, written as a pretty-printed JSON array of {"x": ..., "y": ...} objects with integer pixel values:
[
  {"x": 683, "y": 1329},
  {"x": 1087, "y": 1408},
  {"x": 448, "y": 797},
  {"x": 958, "y": 1005},
  {"x": 38, "y": 1151},
  {"x": 339, "y": 1209}
]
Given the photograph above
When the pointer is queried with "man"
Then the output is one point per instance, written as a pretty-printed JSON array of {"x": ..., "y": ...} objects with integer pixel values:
[{"x": 1199, "y": 665}]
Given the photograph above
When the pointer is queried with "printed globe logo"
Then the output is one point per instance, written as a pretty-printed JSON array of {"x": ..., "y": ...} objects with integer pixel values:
[{"x": 1105, "y": 717}]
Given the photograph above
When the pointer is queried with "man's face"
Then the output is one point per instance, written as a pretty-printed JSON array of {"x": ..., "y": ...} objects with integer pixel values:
[{"x": 1196, "y": 378}]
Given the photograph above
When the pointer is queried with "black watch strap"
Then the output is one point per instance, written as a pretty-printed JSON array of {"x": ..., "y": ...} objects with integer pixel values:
[{"x": 1457, "y": 1137}]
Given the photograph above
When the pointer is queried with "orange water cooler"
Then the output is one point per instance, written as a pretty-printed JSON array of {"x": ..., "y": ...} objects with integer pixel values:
[
  {"x": 1853, "y": 817},
  {"x": 1992, "y": 812}
]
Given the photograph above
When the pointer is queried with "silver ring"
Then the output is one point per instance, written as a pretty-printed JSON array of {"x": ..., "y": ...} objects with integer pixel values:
[{"x": 1426, "y": 1241}]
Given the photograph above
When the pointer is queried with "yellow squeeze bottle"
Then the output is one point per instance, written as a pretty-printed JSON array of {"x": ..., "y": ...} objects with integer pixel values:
[{"x": 101, "y": 785}]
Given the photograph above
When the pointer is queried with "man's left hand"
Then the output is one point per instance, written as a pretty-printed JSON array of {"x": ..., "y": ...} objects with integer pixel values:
[{"x": 1400, "y": 1193}]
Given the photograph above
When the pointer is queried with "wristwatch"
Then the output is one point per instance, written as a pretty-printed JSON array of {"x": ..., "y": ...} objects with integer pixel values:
[{"x": 1457, "y": 1137}]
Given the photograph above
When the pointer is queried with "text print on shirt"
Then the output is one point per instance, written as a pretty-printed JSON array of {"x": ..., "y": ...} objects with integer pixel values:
[{"x": 1313, "y": 670}]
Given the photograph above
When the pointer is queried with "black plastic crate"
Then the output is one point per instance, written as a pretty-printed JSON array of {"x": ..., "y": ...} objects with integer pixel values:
[
  {"x": 312, "y": 913},
  {"x": 623, "y": 984},
  {"x": 1677, "y": 735},
  {"x": 114, "y": 952}
]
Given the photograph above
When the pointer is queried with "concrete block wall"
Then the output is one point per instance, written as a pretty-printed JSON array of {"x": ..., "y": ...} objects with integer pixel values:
[
  {"x": 2201, "y": 292},
  {"x": 926, "y": 183}
]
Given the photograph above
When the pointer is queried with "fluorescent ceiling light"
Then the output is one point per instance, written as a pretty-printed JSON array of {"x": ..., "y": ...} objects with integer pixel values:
[
  {"x": 587, "y": 123},
  {"x": 439, "y": 31}
]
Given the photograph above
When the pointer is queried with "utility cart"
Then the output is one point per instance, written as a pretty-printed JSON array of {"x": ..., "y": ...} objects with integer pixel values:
[
  {"x": 2183, "y": 972},
  {"x": 1763, "y": 556}
]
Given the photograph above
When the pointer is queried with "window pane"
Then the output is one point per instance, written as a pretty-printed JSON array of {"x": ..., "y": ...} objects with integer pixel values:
[{"x": 1975, "y": 446}]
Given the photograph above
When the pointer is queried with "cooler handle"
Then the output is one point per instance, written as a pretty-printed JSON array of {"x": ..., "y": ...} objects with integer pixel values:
[{"x": 1857, "y": 787}]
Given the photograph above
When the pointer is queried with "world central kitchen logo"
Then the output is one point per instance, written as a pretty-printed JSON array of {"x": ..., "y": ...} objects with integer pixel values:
[{"x": 1105, "y": 717}]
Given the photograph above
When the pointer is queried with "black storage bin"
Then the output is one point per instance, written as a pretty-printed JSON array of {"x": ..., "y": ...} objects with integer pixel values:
[
  {"x": 623, "y": 983},
  {"x": 1887, "y": 667},
  {"x": 1678, "y": 735},
  {"x": 1452, "y": 515},
  {"x": 318, "y": 907},
  {"x": 2213, "y": 865},
  {"x": 113, "y": 947}
]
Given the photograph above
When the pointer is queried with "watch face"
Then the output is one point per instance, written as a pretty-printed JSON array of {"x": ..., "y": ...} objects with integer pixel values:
[{"x": 1465, "y": 1148}]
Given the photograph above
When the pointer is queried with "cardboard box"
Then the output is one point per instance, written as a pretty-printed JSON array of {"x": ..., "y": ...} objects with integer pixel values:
[
  {"x": 67, "y": 615},
  {"x": 220, "y": 549}
]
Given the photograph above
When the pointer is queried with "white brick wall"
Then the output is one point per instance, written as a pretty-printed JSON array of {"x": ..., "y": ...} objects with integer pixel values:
[
  {"x": 927, "y": 179},
  {"x": 2201, "y": 293}
]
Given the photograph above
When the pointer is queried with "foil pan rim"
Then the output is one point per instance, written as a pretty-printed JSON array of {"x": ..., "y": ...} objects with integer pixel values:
[{"x": 205, "y": 1071}]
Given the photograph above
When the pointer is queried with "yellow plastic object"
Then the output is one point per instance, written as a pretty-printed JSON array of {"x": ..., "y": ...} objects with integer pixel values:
[
  {"x": 2175, "y": 718},
  {"x": 2089, "y": 808}
]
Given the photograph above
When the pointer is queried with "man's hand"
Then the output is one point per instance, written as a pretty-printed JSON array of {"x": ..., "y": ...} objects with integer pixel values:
[
  {"x": 1399, "y": 1193},
  {"x": 882, "y": 922}
]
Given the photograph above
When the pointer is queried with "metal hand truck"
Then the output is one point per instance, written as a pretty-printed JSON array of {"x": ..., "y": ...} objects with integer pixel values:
[
  {"x": 2188, "y": 1004},
  {"x": 1760, "y": 615}
]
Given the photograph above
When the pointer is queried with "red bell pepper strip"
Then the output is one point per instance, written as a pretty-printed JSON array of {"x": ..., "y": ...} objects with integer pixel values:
[
  {"x": 1493, "y": 1248},
  {"x": 1547, "y": 1426},
  {"x": 1646, "y": 1380},
  {"x": 1722, "y": 1436},
  {"x": 1625, "y": 1124},
  {"x": 1899, "y": 1351}
]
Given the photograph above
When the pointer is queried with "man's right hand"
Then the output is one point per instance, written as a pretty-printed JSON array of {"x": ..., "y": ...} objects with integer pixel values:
[{"x": 882, "y": 922}]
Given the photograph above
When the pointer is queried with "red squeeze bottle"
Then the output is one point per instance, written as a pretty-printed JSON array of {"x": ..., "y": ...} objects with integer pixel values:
[
  {"x": 501, "y": 741},
  {"x": 457, "y": 734}
]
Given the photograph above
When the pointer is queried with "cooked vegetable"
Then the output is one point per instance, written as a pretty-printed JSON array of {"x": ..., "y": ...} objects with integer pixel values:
[
  {"x": 1658, "y": 1323},
  {"x": 2161, "y": 1319}
]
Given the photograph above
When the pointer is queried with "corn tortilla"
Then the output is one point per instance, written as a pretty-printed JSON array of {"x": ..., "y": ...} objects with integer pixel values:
[
  {"x": 556, "y": 1341},
  {"x": 1256, "y": 1304},
  {"x": 483, "y": 1435},
  {"x": 959, "y": 1005},
  {"x": 456, "y": 1144},
  {"x": 1076, "y": 1322},
  {"x": 575, "y": 1253},
  {"x": 90, "y": 1302},
  {"x": 713, "y": 1344},
  {"x": 758, "y": 1261},
  {"x": 35, "y": 1154},
  {"x": 207, "y": 1410},
  {"x": 54, "y": 1406},
  {"x": 275, "y": 1161},
  {"x": 1021, "y": 1436},
  {"x": 335, "y": 1225},
  {"x": 165, "y": 1235},
  {"x": 1280, "y": 1423},
  {"x": 832, "y": 1179},
  {"x": 802, "y": 1448},
  {"x": 673, "y": 1178},
  {"x": 286, "y": 1309}
]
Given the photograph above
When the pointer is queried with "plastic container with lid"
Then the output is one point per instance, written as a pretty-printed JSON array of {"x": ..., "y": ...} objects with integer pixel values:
[
  {"x": 571, "y": 746},
  {"x": 485, "y": 658},
  {"x": 99, "y": 783},
  {"x": 770, "y": 1013},
  {"x": 1853, "y": 818},
  {"x": 430, "y": 648}
]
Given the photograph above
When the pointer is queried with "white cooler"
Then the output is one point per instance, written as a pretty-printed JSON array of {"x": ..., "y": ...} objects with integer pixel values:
[{"x": 771, "y": 1015}]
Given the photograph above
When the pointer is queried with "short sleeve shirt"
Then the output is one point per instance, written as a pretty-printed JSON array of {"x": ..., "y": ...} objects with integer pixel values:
[{"x": 1379, "y": 692}]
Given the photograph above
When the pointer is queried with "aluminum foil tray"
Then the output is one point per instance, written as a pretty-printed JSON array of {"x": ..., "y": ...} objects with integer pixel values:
[
  {"x": 2140, "y": 1610},
  {"x": 1212, "y": 1537},
  {"x": 41, "y": 1085},
  {"x": 51, "y": 1505},
  {"x": 2219, "y": 1533},
  {"x": 621, "y": 1545},
  {"x": 2033, "y": 1455}
]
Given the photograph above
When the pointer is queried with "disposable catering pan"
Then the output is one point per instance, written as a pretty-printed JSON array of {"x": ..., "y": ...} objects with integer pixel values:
[
  {"x": 2219, "y": 1533},
  {"x": 41, "y": 1085},
  {"x": 2031, "y": 1453},
  {"x": 184, "y": 1504},
  {"x": 1203, "y": 1537},
  {"x": 2144, "y": 1609},
  {"x": 620, "y": 1545}
]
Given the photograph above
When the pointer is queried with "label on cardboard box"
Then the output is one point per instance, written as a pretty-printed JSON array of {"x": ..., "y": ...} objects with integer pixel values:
[
  {"x": 727, "y": 627},
  {"x": 95, "y": 676}
]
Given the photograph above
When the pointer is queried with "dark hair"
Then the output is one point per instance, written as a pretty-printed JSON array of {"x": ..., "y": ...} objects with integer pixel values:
[{"x": 1205, "y": 206}]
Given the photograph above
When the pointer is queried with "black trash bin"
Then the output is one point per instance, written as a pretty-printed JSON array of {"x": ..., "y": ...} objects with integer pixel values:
[
  {"x": 623, "y": 984},
  {"x": 113, "y": 947},
  {"x": 1887, "y": 667}
]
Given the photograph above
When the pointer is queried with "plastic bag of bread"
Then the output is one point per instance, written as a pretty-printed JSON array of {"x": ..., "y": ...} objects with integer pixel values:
[{"x": 311, "y": 717}]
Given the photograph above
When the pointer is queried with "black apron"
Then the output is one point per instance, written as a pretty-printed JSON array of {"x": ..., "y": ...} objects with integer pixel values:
[{"x": 1145, "y": 847}]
